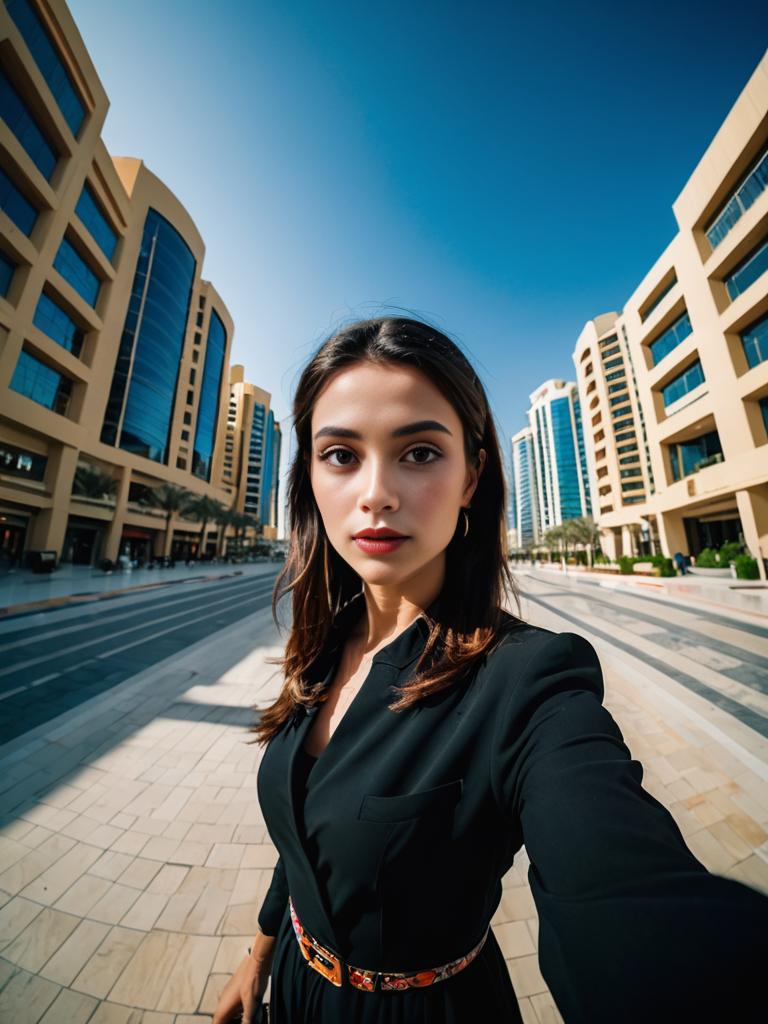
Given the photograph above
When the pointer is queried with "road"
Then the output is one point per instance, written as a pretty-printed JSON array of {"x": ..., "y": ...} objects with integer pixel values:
[
  {"x": 720, "y": 657},
  {"x": 56, "y": 660}
]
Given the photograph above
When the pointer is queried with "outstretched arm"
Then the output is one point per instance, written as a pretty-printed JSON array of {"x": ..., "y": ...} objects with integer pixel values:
[{"x": 633, "y": 928}]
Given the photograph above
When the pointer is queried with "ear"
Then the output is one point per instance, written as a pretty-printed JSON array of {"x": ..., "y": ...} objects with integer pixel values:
[{"x": 474, "y": 476}]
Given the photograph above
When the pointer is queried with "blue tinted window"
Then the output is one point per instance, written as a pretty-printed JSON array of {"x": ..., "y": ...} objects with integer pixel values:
[
  {"x": 40, "y": 383},
  {"x": 754, "y": 184},
  {"x": 565, "y": 456},
  {"x": 53, "y": 321},
  {"x": 74, "y": 269},
  {"x": 624, "y": 409},
  {"x": 662, "y": 294},
  {"x": 755, "y": 342},
  {"x": 16, "y": 115},
  {"x": 153, "y": 337},
  {"x": 268, "y": 469},
  {"x": 208, "y": 410},
  {"x": 682, "y": 384},
  {"x": 748, "y": 270},
  {"x": 90, "y": 214},
  {"x": 614, "y": 362},
  {"x": 7, "y": 268},
  {"x": 690, "y": 456},
  {"x": 763, "y": 403},
  {"x": 15, "y": 205},
  {"x": 671, "y": 338},
  {"x": 48, "y": 61}
]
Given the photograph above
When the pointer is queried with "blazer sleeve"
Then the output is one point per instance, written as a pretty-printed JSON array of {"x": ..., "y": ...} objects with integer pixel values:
[
  {"x": 632, "y": 927},
  {"x": 275, "y": 902}
]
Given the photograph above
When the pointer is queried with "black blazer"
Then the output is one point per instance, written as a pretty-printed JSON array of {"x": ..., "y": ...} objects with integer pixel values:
[{"x": 413, "y": 817}]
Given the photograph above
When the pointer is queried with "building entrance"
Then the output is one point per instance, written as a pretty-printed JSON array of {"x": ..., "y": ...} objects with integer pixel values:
[
  {"x": 11, "y": 544},
  {"x": 713, "y": 531},
  {"x": 82, "y": 542}
]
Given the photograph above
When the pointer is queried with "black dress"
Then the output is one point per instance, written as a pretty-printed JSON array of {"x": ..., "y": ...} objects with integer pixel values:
[
  {"x": 302, "y": 996},
  {"x": 394, "y": 847}
]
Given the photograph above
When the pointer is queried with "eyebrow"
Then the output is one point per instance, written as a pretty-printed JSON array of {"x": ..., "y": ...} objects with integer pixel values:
[{"x": 409, "y": 428}]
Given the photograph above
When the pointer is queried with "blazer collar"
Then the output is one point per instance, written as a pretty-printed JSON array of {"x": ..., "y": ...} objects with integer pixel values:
[{"x": 401, "y": 650}]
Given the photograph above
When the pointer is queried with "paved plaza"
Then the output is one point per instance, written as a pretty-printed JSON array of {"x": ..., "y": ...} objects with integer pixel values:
[{"x": 133, "y": 853}]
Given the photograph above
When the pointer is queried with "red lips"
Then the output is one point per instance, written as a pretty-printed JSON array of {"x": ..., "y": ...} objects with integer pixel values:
[{"x": 379, "y": 534}]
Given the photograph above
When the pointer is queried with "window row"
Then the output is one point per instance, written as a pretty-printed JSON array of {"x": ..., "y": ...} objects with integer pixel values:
[
  {"x": 45, "y": 55},
  {"x": 747, "y": 192},
  {"x": 674, "y": 335},
  {"x": 754, "y": 264}
]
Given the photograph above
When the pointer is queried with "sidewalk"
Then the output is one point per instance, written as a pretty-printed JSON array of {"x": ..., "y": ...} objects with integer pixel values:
[
  {"x": 134, "y": 856},
  {"x": 728, "y": 595},
  {"x": 23, "y": 591}
]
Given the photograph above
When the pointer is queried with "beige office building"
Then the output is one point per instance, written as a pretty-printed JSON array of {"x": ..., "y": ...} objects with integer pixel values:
[
  {"x": 695, "y": 336},
  {"x": 252, "y": 451},
  {"x": 114, "y": 351}
]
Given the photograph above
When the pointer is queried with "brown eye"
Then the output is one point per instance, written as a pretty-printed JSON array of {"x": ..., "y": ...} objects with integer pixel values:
[
  {"x": 429, "y": 451},
  {"x": 324, "y": 456}
]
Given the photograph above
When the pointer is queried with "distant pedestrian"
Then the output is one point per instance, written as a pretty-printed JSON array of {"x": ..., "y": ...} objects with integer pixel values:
[{"x": 679, "y": 559}]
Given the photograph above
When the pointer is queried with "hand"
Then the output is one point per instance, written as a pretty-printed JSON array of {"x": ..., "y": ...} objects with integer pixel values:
[{"x": 243, "y": 992}]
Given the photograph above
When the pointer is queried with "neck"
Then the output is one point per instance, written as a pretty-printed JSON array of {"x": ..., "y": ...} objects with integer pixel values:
[{"x": 389, "y": 610}]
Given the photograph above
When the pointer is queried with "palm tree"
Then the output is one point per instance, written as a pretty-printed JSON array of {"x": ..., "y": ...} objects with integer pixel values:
[
  {"x": 173, "y": 501},
  {"x": 588, "y": 533},
  {"x": 203, "y": 509},
  {"x": 224, "y": 517},
  {"x": 91, "y": 482}
]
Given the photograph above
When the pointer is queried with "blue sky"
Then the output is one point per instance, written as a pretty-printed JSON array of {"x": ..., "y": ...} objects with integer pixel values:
[{"x": 506, "y": 170}]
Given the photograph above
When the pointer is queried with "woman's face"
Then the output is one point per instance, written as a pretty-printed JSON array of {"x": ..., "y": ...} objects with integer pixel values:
[{"x": 388, "y": 451}]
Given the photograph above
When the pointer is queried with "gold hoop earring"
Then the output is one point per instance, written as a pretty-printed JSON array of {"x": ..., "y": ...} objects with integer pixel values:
[{"x": 466, "y": 522}]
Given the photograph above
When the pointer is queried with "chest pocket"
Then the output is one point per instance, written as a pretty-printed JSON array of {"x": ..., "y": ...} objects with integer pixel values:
[{"x": 408, "y": 806}]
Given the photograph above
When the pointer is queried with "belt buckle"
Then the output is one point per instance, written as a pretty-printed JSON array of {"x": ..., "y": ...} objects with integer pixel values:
[{"x": 323, "y": 961}]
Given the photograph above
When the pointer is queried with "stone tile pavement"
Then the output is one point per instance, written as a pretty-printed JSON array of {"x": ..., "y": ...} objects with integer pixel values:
[{"x": 134, "y": 857}]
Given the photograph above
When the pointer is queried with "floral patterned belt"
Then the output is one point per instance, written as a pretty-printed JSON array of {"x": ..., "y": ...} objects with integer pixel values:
[{"x": 326, "y": 962}]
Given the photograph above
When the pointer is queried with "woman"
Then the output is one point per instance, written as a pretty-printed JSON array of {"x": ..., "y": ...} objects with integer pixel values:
[{"x": 423, "y": 734}]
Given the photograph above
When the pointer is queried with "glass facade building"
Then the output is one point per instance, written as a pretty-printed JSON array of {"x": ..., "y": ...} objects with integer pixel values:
[
  {"x": 143, "y": 391},
  {"x": 524, "y": 486},
  {"x": 22, "y": 124},
  {"x": 210, "y": 393},
  {"x": 565, "y": 460},
  {"x": 267, "y": 467},
  {"x": 46, "y": 57}
]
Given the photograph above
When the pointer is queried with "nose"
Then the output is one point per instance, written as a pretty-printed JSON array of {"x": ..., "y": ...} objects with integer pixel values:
[{"x": 378, "y": 489}]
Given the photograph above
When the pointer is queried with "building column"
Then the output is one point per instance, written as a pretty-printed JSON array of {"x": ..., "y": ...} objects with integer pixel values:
[
  {"x": 753, "y": 511},
  {"x": 628, "y": 541},
  {"x": 49, "y": 527},
  {"x": 672, "y": 534},
  {"x": 114, "y": 531}
]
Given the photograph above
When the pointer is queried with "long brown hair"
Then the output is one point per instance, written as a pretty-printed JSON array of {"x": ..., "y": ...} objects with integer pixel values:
[{"x": 477, "y": 578}]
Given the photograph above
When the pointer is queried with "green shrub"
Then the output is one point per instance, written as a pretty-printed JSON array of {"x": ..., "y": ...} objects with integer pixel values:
[
  {"x": 746, "y": 567},
  {"x": 729, "y": 552},
  {"x": 707, "y": 559},
  {"x": 626, "y": 565}
]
